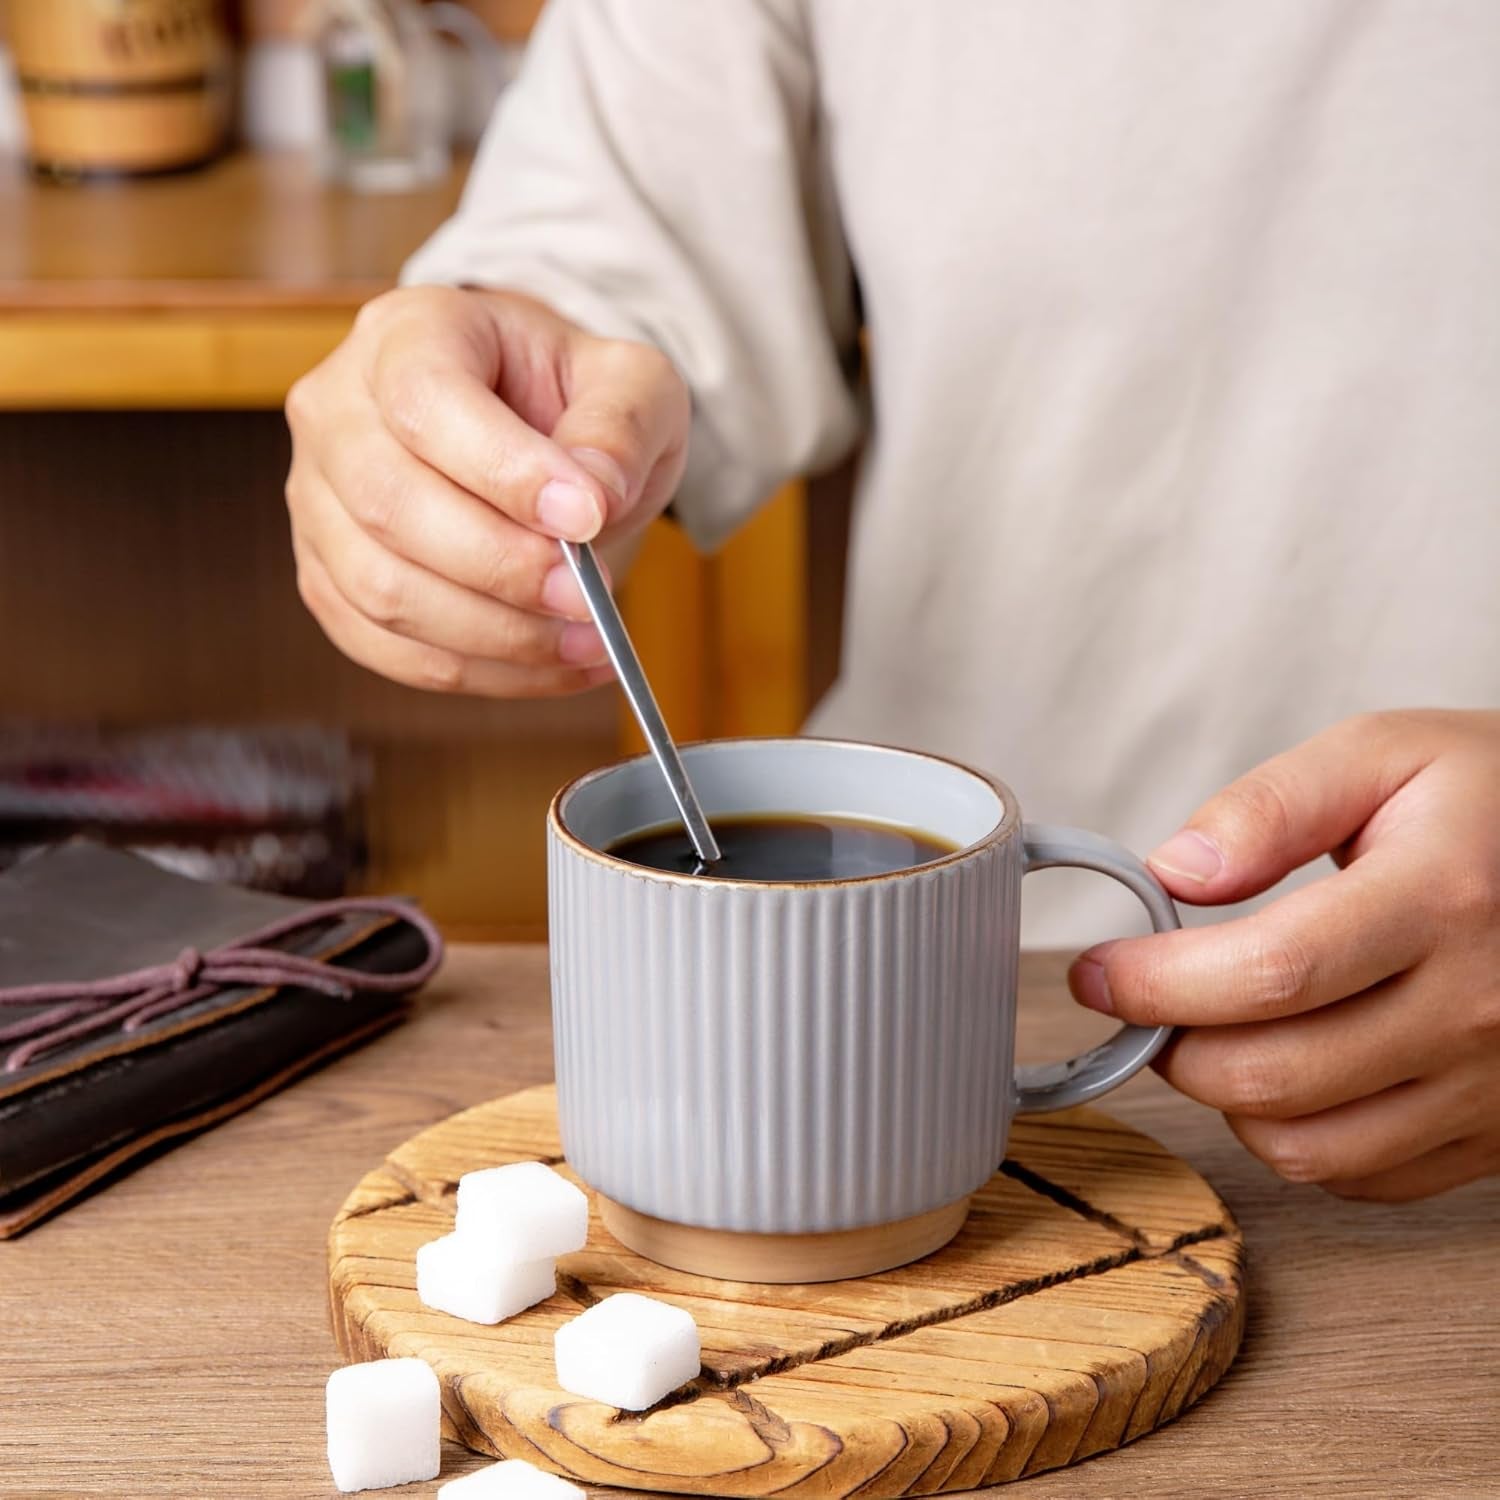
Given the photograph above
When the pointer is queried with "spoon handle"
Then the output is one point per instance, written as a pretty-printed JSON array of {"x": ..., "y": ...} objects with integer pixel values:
[{"x": 627, "y": 665}]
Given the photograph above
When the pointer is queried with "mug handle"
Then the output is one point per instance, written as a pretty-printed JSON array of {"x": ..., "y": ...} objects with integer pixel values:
[{"x": 1058, "y": 1085}]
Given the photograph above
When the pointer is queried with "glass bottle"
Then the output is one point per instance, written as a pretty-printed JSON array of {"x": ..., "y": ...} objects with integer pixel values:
[{"x": 385, "y": 105}]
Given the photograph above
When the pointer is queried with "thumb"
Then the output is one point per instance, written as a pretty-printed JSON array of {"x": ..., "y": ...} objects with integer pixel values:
[
  {"x": 627, "y": 408},
  {"x": 1309, "y": 801}
]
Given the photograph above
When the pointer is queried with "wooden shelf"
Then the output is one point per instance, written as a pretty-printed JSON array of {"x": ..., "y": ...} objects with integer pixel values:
[
  {"x": 218, "y": 288},
  {"x": 209, "y": 289},
  {"x": 210, "y": 293}
]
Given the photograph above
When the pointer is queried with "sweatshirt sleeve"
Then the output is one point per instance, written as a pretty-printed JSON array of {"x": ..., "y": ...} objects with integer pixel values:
[{"x": 657, "y": 172}]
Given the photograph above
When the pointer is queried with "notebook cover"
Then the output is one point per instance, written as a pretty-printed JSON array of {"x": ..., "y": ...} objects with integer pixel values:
[{"x": 82, "y": 911}]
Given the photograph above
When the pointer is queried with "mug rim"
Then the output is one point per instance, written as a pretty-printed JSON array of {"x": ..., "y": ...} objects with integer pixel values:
[{"x": 1010, "y": 819}]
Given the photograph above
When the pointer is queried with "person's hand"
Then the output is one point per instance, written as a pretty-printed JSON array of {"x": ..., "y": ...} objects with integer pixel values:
[
  {"x": 437, "y": 455},
  {"x": 1349, "y": 1031}
]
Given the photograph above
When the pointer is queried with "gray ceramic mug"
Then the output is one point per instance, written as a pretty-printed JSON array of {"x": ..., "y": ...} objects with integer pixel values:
[{"x": 811, "y": 1076}]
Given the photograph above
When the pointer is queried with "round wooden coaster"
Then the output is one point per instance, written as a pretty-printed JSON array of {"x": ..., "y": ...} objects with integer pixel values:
[{"x": 1095, "y": 1291}]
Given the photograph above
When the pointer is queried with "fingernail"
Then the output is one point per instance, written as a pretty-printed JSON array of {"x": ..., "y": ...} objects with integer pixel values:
[
  {"x": 1190, "y": 854},
  {"x": 1091, "y": 983},
  {"x": 568, "y": 511},
  {"x": 608, "y": 473},
  {"x": 580, "y": 645},
  {"x": 561, "y": 594}
]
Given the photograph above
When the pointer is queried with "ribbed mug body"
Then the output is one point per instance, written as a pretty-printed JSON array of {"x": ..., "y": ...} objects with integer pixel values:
[{"x": 786, "y": 1058}]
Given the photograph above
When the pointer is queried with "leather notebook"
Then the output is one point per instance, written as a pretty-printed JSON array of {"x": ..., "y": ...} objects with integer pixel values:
[{"x": 220, "y": 1024}]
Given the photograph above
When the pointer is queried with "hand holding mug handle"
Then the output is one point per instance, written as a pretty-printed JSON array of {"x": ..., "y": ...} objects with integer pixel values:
[{"x": 1058, "y": 1085}]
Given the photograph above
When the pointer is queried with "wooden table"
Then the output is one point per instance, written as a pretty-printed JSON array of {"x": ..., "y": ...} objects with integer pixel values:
[
  {"x": 215, "y": 288},
  {"x": 170, "y": 1337}
]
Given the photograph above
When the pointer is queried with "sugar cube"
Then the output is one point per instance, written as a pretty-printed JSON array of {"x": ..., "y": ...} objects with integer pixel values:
[
  {"x": 525, "y": 1210},
  {"x": 462, "y": 1274},
  {"x": 384, "y": 1424},
  {"x": 511, "y": 1479},
  {"x": 627, "y": 1351}
]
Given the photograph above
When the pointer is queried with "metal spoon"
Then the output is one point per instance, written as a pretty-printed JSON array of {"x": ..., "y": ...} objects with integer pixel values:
[{"x": 627, "y": 665}]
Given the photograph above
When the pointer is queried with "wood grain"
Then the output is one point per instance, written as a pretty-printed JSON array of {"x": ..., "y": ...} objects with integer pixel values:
[
  {"x": 194, "y": 1293},
  {"x": 1047, "y": 1331}
]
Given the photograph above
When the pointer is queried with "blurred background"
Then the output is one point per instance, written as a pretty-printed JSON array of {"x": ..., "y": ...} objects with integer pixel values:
[{"x": 195, "y": 198}]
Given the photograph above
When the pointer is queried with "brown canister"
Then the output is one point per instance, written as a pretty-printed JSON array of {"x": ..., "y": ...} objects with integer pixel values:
[{"x": 121, "y": 86}]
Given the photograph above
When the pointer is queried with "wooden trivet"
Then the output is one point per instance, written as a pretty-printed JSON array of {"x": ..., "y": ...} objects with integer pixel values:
[{"x": 1095, "y": 1292}]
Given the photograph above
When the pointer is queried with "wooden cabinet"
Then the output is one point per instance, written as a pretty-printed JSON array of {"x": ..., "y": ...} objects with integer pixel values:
[{"x": 148, "y": 334}]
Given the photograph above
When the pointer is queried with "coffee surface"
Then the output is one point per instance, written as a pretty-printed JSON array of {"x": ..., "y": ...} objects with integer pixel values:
[{"x": 783, "y": 847}]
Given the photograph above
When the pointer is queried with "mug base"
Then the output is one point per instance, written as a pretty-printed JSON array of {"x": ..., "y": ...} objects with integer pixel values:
[{"x": 781, "y": 1259}]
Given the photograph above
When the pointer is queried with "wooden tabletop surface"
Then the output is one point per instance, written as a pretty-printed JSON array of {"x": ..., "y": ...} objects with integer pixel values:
[
  {"x": 257, "y": 230},
  {"x": 169, "y": 1337},
  {"x": 210, "y": 288}
]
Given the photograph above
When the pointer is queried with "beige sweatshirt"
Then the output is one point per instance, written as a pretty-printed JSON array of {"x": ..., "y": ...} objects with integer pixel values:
[{"x": 1184, "y": 434}]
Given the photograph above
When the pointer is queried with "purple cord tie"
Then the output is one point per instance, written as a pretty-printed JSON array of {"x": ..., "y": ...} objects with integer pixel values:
[{"x": 130, "y": 1000}]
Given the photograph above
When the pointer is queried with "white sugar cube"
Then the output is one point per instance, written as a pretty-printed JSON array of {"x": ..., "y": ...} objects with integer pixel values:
[
  {"x": 525, "y": 1211},
  {"x": 627, "y": 1351},
  {"x": 384, "y": 1424},
  {"x": 511, "y": 1479},
  {"x": 462, "y": 1274}
]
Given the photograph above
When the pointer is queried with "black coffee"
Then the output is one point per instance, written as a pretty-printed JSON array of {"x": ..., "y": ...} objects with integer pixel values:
[{"x": 779, "y": 846}]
